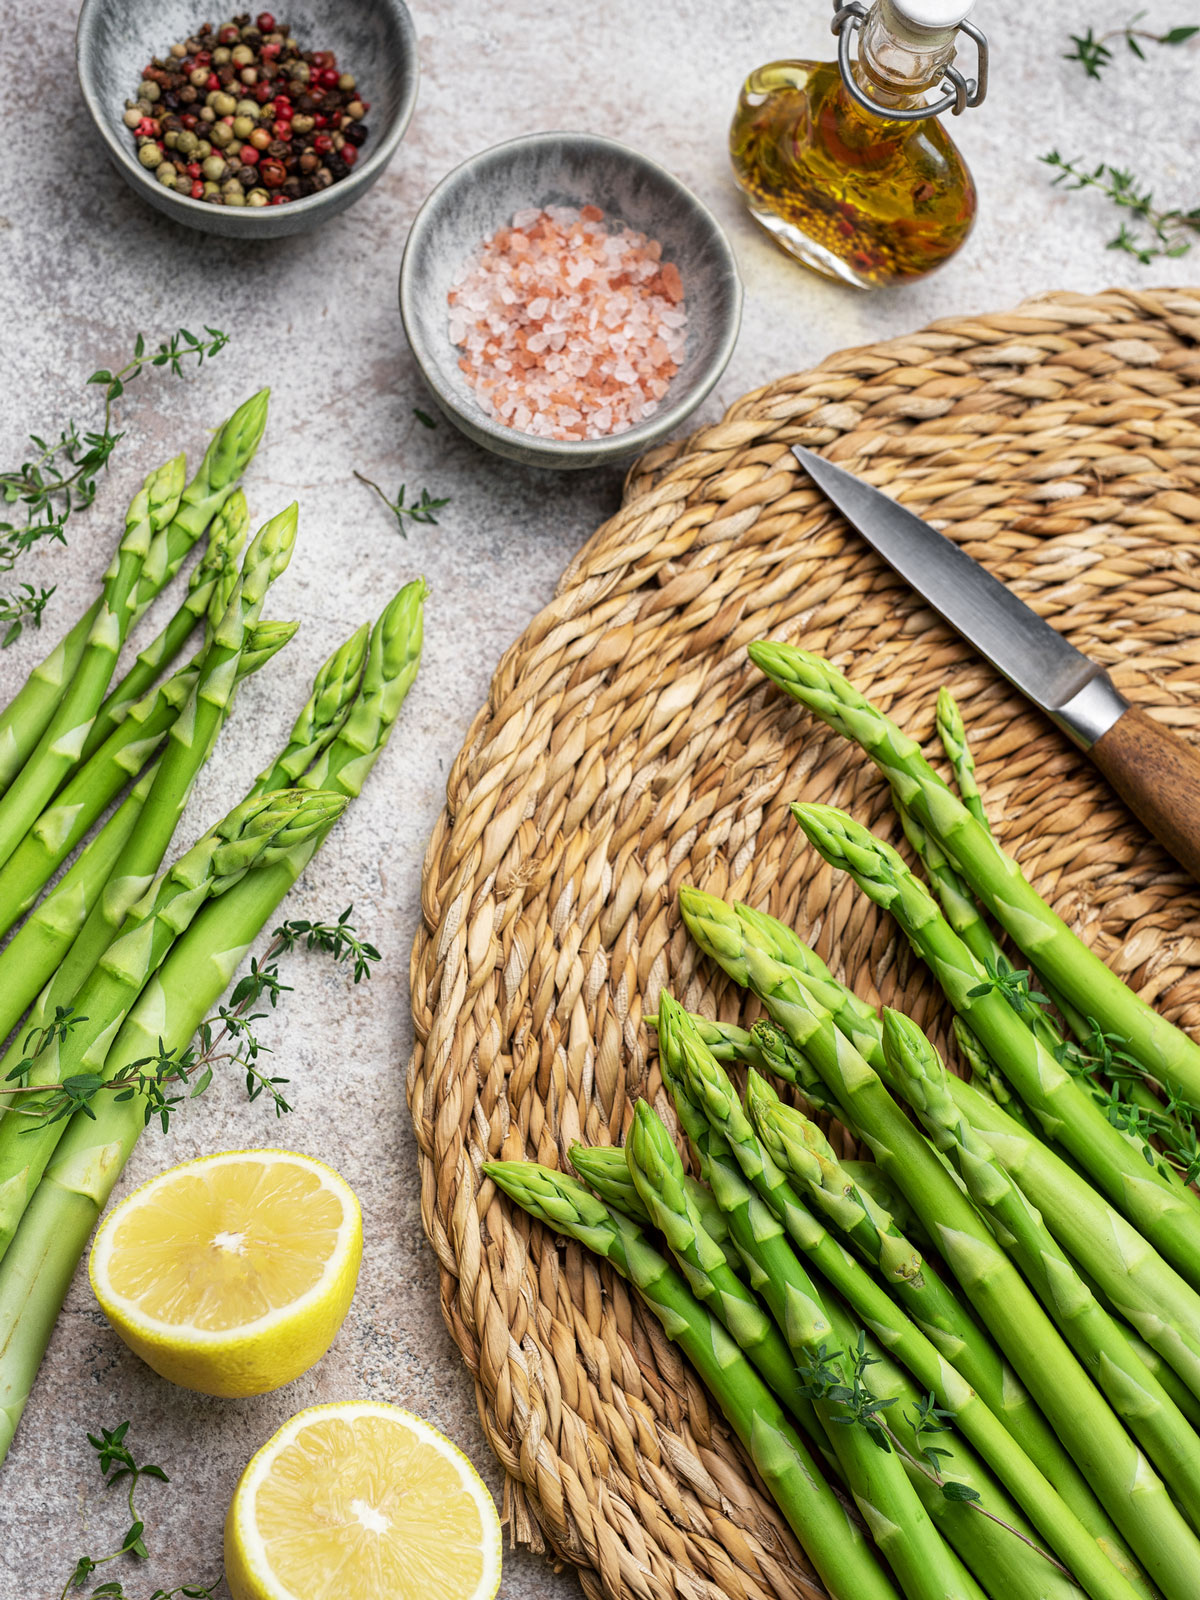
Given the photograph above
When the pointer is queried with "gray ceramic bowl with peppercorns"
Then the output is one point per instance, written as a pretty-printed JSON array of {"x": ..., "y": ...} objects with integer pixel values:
[
  {"x": 303, "y": 139},
  {"x": 571, "y": 170}
]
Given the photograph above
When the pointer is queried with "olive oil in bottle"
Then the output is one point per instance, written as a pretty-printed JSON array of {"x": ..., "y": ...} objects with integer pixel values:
[{"x": 843, "y": 162}]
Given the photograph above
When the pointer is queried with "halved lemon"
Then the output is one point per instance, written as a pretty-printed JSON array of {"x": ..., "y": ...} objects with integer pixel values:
[
  {"x": 361, "y": 1501},
  {"x": 231, "y": 1274}
]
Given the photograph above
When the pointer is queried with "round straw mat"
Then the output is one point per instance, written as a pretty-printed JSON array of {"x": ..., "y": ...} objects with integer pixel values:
[{"x": 628, "y": 746}]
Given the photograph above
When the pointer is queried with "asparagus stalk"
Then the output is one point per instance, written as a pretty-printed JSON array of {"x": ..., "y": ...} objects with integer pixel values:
[
  {"x": 192, "y": 735},
  {"x": 24, "y": 720},
  {"x": 842, "y": 1559},
  {"x": 800, "y": 1149},
  {"x": 37, "y": 1270},
  {"x": 1097, "y": 1338},
  {"x": 1140, "y": 1286},
  {"x": 37, "y": 950},
  {"x": 1167, "y": 1215},
  {"x": 656, "y": 1174},
  {"x": 253, "y": 835},
  {"x": 1165, "y": 1052},
  {"x": 953, "y": 734},
  {"x": 209, "y": 589},
  {"x": 334, "y": 690},
  {"x": 686, "y": 1063},
  {"x": 893, "y": 1510},
  {"x": 604, "y": 1168},
  {"x": 393, "y": 655},
  {"x": 60, "y": 746},
  {"x": 1124, "y": 1481},
  {"x": 747, "y": 948}
]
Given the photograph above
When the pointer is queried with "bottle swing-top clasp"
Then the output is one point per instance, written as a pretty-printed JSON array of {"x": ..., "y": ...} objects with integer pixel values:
[{"x": 960, "y": 92}]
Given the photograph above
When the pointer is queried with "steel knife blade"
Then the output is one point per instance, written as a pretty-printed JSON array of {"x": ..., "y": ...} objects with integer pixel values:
[{"x": 1154, "y": 771}]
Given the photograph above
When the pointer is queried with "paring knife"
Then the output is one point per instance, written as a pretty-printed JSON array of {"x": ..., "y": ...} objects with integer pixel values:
[{"x": 1155, "y": 772}]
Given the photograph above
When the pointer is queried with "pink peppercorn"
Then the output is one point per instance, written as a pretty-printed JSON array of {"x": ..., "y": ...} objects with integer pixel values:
[
  {"x": 197, "y": 191},
  {"x": 212, "y": 81},
  {"x": 329, "y": 78},
  {"x": 248, "y": 155},
  {"x": 262, "y": 92},
  {"x": 349, "y": 154}
]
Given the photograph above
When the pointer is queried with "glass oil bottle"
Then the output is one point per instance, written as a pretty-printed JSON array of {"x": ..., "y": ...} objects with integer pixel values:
[{"x": 843, "y": 162}]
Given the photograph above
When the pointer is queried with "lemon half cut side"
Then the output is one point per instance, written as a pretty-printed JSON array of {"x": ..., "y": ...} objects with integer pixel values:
[
  {"x": 361, "y": 1501},
  {"x": 231, "y": 1274}
]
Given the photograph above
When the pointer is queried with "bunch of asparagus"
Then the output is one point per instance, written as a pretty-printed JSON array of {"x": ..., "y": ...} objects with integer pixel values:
[
  {"x": 114, "y": 968},
  {"x": 987, "y": 1335}
]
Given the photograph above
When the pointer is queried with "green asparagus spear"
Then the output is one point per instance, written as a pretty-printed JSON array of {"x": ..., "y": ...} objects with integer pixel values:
[
  {"x": 902, "y": 1528},
  {"x": 1097, "y": 1338},
  {"x": 800, "y": 1149},
  {"x": 953, "y": 734},
  {"x": 605, "y": 1169},
  {"x": 1085, "y": 1424},
  {"x": 1165, "y": 1052},
  {"x": 25, "y": 719},
  {"x": 40, "y": 1263},
  {"x": 1168, "y": 1216},
  {"x": 334, "y": 691},
  {"x": 1135, "y": 1280},
  {"x": 833, "y": 1544},
  {"x": 60, "y": 747},
  {"x": 39, "y": 948},
  {"x": 656, "y": 1173},
  {"x": 209, "y": 589},
  {"x": 71, "y": 1066},
  {"x": 1094, "y": 1556}
]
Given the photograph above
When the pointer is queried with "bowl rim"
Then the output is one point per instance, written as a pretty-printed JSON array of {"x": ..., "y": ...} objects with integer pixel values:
[
  {"x": 611, "y": 445},
  {"x": 346, "y": 191}
]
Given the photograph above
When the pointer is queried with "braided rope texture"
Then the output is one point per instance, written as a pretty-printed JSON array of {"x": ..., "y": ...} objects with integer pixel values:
[{"x": 628, "y": 746}]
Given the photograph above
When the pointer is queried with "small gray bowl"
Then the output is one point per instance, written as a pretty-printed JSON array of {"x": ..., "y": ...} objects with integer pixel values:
[
  {"x": 374, "y": 39},
  {"x": 573, "y": 169}
]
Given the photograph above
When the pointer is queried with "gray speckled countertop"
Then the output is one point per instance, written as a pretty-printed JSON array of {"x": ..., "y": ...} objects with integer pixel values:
[{"x": 84, "y": 265}]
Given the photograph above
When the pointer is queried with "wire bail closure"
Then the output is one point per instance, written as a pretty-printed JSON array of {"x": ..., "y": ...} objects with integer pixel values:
[{"x": 961, "y": 92}]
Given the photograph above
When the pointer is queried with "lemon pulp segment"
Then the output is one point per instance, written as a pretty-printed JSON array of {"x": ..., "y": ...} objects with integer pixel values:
[
  {"x": 362, "y": 1501},
  {"x": 224, "y": 1245}
]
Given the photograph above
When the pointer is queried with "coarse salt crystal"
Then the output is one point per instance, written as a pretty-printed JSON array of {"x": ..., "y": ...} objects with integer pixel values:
[{"x": 570, "y": 331}]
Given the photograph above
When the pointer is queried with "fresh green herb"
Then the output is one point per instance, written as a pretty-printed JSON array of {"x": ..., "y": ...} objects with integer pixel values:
[
  {"x": 1013, "y": 984},
  {"x": 1164, "y": 232},
  {"x": 424, "y": 418},
  {"x": 1163, "y": 1123},
  {"x": 117, "y": 1465},
  {"x": 1092, "y": 52},
  {"x": 228, "y": 1037},
  {"x": 421, "y": 510},
  {"x": 60, "y": 477},
  {"x": 854, "y": 1404}
]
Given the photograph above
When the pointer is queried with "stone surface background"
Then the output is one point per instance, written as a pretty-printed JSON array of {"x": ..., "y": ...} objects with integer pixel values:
[{"x": 84, "y": 265}]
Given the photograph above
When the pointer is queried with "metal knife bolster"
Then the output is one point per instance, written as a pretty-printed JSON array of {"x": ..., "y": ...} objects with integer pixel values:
[{"x": 1088, "y": 715}]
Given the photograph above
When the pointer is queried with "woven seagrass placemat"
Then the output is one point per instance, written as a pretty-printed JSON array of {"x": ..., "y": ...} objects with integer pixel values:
[{"x": 628, "y": 746}]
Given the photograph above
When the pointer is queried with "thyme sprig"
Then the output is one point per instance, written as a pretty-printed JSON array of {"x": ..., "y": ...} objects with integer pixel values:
[
  {"x": 421, "y": 510},
  {"x": 854, "y": 1404},
  {"x": 60, "y": 475},
  {"x": 170, "y": 1076},
  {"x": 118, "y": 1465},
  {"x": 1092, "y": 52},
  {"x": 1163, "y": 232}
]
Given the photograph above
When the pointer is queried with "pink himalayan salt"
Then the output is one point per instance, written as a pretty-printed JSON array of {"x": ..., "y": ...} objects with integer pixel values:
[{"x": 568, "y": 331}]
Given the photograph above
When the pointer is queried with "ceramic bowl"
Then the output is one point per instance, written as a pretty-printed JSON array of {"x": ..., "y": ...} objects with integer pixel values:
[
  {"x": 573, "y": 169},
  {"x": 374, "y": 39}
]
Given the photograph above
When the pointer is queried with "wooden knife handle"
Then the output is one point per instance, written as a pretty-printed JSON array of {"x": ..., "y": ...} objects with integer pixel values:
[{"x": 1157, "y": 774}]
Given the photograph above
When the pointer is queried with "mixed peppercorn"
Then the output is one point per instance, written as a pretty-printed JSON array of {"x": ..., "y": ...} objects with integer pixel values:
[{"x": 240, "y": 116}]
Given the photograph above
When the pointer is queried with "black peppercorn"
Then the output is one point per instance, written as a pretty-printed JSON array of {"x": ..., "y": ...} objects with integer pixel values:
[{"x": 356, "y": 133}]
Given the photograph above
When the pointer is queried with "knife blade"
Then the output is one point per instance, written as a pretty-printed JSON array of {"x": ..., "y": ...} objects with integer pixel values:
[{"x": 1155, "y": 772}]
